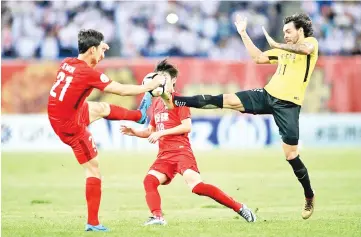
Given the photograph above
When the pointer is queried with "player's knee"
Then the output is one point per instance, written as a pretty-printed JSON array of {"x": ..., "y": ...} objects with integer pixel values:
[
  {"x": 291, "y": 155},
  {"x": 231, "y": 100},
  {"x": 92, "y": 168},
  {"x": 192, "y": 178},
  {"x": 93, "y": 172},
  {"x": 150, "y": 182},
  {"x": 290, "y": 151},
  {"x": 191, "y": 184},
  {"x": 147, "y": 180}
]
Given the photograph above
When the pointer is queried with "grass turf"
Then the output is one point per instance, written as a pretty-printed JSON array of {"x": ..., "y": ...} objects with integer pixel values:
[{"x": 43, "y": 195}]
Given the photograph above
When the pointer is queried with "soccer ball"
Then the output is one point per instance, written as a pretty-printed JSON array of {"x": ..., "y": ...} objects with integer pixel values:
[{"x": 157, "y": 91}]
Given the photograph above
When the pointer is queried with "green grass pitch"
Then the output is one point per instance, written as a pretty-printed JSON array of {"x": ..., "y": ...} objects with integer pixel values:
[{"x": 43, "y": 195}]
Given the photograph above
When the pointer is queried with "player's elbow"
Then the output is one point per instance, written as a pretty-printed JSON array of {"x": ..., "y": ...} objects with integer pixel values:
[
  {"x": 148, "y": 132},
  {"x": 187, "y": 128},
  {"x": 307, "y": 52},
  {"x": 256, "y": 59},
  {"x": 260, "y": 59},
  {"x": 258, "y": 62},
  {"x": 304, "y": 52}
]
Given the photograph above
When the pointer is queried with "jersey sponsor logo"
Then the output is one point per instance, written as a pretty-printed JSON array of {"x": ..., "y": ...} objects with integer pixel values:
[
  {"x": 104, "y": 78},
  {"x": 290, "y": 56},
  {"x": 164, "y": 117},
  {"x": 161, "y": 117},
  {"x": 258, "y": 89}
]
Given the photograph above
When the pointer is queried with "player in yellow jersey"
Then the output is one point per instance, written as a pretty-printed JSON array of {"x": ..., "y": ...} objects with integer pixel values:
[{"x": 282, "y": 96}]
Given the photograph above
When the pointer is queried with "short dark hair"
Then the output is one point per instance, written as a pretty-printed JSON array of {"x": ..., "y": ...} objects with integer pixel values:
[
  {"x": 164, "y": 66},
  {"x": 301, "y": 20},
  {"x": 88, "y": 39}
]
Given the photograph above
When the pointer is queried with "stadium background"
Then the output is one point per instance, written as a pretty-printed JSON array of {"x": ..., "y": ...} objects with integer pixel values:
[{"x": 200, "y": 38}]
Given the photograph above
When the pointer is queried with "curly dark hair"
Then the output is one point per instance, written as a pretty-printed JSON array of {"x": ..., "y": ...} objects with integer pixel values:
[
  {"x": 164, "y": 66},
  {"x": 88, "y": 39},
  {"x": 301, "y": 20}
]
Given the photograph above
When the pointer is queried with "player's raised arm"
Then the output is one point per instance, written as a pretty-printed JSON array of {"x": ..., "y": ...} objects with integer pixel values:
[
  {"x": 257, "y": 55},
  {"x": 304, "y": 48},
  {"x": 297, "y": 31},
  {"x": 126, "y": 90}
]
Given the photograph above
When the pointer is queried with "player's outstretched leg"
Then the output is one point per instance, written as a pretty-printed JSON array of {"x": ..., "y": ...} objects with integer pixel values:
[
  {"x": 139, "y": 116},
  {"x": 151, "y": 184},
  {"x": 199, "y": 101},
  {"x": 222, "y": 101},
  {"x": 301, "y": 173},
  {"x": 99, "y": 110},
  {"x": 198, "y": 187},
  {"x": 93, "y": 195}
]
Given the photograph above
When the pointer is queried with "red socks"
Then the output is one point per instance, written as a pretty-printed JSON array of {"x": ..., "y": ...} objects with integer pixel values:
[
  {"x": 120, "y": 113},
  {"x": 152, "y": 196},
  {"x": 93, "y": 194},
  {"x": 216, "y": 194}
]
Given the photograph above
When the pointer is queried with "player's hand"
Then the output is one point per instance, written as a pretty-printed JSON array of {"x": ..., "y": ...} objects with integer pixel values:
[
  {"x": 270, "y": 41},
  {"x": 154, "y": 137},
  {"x": 157, "y": 81},
  {"x": 126, "y": 130},
  {"x": 241, "y": 24}
]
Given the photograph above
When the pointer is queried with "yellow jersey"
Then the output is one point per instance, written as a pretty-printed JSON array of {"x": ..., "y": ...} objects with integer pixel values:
[{"x": 293, "y": 73}]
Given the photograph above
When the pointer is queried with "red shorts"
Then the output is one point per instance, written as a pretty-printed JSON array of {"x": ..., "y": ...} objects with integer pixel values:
[
  {"x": 171, "y": 163},
  {"x": 77, "y": 135}
]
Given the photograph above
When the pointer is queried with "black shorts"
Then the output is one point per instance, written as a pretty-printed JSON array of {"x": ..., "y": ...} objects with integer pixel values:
[{"x": 285, "y": 113}]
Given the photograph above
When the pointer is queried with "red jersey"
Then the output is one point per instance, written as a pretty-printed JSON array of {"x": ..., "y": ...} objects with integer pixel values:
[
  {"x": 75, "y": 81},
  {"x": 162, "y": 119}
]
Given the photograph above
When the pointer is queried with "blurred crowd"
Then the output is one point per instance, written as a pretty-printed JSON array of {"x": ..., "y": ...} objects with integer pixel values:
[
  {"x": 337, "y": 26},
  {"x": 48, "y": 29}
]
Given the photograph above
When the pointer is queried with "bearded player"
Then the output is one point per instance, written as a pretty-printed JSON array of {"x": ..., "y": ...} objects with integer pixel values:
[
  {"x": 170, "y": 128},
  {"x": 70, "y": 114},
  {"x": 282, "y": 96}
]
